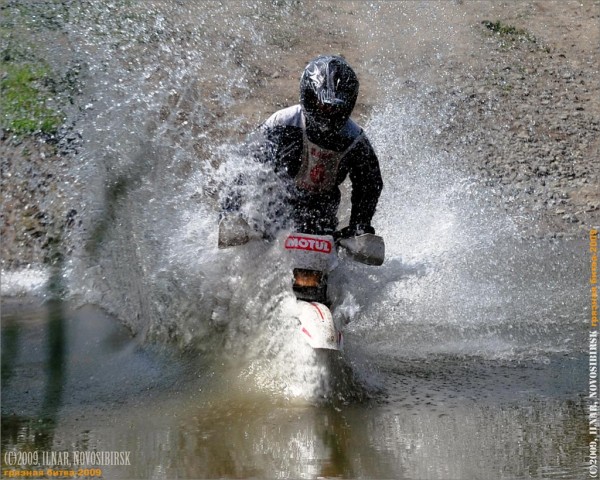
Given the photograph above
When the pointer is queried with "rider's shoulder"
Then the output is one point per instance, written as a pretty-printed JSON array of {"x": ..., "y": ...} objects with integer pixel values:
[
  {"x": 357, "y": 140},
  {"x": 352, "y": 129},
  {"x": 290, "y": 117}
]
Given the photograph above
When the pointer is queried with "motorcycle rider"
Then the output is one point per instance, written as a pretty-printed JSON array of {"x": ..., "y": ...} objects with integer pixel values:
[{"x": 315, "y": 145}]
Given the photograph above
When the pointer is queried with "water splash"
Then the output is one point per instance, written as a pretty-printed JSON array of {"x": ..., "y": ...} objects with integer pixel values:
[
  {"x": 458, "y": 280},
  {"x": 169, "y": 93}
]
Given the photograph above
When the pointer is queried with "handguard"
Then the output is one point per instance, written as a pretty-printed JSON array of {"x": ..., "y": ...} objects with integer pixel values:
[
  {"x": 367, "y": 248},
  {"x": 233, "y": 231}
]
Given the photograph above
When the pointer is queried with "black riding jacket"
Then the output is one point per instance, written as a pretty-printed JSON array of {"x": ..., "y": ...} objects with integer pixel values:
[{"x": 281, "y": 144}]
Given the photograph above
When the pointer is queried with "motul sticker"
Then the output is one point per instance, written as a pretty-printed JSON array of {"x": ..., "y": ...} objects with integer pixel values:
[{"x": 295, "y": 242}]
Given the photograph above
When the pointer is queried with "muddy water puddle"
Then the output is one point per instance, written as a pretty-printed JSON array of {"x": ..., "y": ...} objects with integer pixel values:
[{"x": 76, "y": 381}]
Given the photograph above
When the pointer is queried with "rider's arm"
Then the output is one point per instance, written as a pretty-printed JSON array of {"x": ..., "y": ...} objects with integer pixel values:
[
  {"x": 366, "y": 183},
  {"x": 280, "y": 146},
  {"x": 276, "y": 145}
]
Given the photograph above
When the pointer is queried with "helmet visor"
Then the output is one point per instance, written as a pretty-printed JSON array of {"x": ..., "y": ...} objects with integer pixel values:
[
  {"x": 328, "y": 114},
  {"x": 329, "y": 109}
]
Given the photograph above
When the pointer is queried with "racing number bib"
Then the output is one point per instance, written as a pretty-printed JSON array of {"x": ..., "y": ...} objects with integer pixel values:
[{"x": 319, "y": 168}]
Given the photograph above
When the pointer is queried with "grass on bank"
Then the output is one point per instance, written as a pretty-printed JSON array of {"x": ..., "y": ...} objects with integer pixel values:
[
  {"x": 24, "y": 100},
  {"x": 508, "y": 31}
]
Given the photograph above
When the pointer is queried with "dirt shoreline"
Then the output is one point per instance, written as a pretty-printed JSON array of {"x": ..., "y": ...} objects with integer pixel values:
[{"x": 524, "y": 116}]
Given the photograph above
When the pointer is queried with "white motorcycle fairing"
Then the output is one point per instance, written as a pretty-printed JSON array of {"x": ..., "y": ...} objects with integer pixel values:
[
  {"x": 317, "y": 255},
  {"x": 318, "y": 326}
]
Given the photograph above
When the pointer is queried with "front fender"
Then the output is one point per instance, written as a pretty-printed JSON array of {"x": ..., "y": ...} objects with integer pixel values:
[{"x": 318, "y": 327}]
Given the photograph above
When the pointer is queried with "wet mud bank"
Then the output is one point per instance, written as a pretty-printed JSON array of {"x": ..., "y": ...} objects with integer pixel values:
[{"x": 515, "y": 98}]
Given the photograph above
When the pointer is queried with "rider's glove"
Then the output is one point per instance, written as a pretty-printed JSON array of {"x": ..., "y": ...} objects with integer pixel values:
[{"x": 353, "y": 231}]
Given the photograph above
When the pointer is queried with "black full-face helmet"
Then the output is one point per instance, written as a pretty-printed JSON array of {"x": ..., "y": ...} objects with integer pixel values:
[{"x": 328, "y": 92}]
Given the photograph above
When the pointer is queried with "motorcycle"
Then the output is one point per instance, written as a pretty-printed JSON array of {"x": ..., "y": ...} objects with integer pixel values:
[{"x": 313, "y": 258}]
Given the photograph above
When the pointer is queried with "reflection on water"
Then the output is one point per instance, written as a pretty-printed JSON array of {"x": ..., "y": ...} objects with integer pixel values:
[
  {"x": 10, "y": 340},
  {"x": 40, "y": 433},
  {"x": 56, "y": 360},
  {"x": 179, "y": 419},
  {"x": 241, "y": 439}
]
